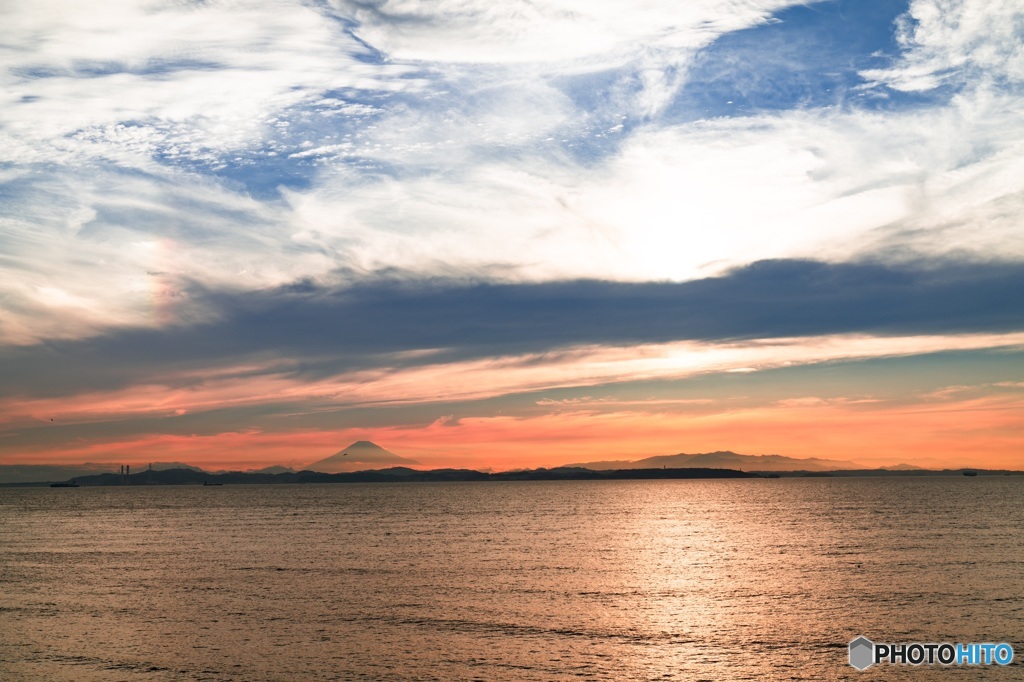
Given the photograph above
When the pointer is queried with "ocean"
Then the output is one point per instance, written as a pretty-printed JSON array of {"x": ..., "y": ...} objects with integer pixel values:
[{"x": 759, "y": 579}]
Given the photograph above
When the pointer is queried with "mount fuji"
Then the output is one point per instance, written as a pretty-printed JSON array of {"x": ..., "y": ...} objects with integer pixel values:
[{"x": 360, "y": 455}]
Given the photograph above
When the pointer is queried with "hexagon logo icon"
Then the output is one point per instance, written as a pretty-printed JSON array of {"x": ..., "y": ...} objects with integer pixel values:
[{"x": 862, "y": 653}]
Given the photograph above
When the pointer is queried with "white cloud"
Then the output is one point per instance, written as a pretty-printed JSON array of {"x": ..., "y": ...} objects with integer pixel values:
[
  {"x": 671, "y": 203},
  {"x": 113, "y": 249},
  {"x": 596, "y": 33},
  {"x": 485, "y": 164},
  {"x": 191, "y": 77},
  {"x": 654, "y": 41},
  {"x": 973, "y": 42},
  {"x": 690, "y": 200}
]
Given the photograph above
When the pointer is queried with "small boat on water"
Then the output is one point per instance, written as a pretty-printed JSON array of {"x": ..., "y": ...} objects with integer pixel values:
[
  {"x": 207, "y": 483},
  {"x": 970, "y": 473},
  {"x": 67, "y": 484}
]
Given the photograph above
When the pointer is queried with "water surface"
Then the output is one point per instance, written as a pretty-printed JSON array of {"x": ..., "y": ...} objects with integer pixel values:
[{"x": 588, "y": 580}]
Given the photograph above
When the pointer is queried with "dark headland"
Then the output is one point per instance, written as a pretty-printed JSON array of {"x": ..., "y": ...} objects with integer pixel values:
[
  {"x": 195, "y": 476},
  {"x": 398, "y": 474}
]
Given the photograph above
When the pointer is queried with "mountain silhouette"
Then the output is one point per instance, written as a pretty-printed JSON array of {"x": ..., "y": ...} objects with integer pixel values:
[
  {"x": 360, "y": 455},
  {"x": 725, "y": 460}
]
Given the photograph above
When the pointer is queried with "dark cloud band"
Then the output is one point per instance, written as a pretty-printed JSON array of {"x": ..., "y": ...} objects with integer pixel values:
[
  {"x": 768, "y": 299},
  {"x": 324, "y": 330}
]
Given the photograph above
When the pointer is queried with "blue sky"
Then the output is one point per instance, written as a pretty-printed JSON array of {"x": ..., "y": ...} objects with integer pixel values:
[{"x": 263, "y": 220}]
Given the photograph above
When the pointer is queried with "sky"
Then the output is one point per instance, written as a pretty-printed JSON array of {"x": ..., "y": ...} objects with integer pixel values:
[{"x": 511, "y": 233}]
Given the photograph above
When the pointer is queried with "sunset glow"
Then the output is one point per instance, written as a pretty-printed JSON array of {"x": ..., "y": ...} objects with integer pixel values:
[{"x": 498, "y": 235}]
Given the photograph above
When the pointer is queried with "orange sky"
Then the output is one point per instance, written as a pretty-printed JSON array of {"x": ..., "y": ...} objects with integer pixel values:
[
  {"x": 982, "y": 432},
  {"x": 849, "y": 399}
]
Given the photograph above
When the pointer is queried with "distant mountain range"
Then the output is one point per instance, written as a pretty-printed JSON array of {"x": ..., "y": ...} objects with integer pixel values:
[
  {"x": 51, "y": 473},
  {"x": 33, "y": 473},
  {"x": 726, "y": 460},
  {"x": 276, "y": 469},
  {"x": 358, "y": 456},
  {"x": 363, "y": 460}
]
